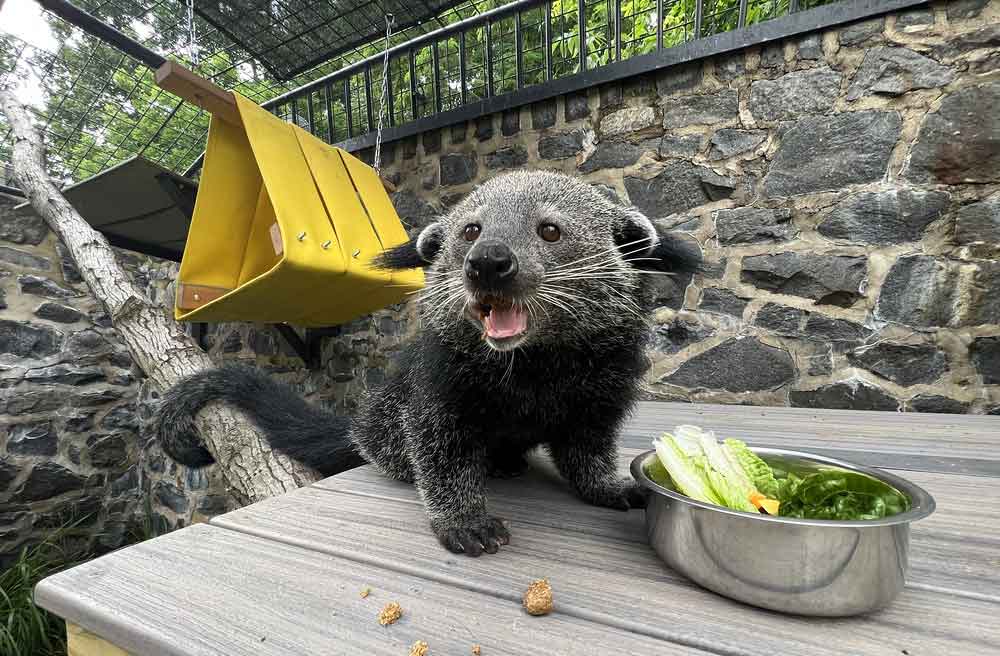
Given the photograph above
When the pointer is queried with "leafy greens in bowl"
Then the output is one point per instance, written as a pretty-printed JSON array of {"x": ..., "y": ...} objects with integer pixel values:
[{"x": 728, "y": 474}]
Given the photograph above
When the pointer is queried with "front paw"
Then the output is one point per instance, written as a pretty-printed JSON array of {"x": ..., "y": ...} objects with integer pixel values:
[
  {"x": 619, "y": 495},
  {"x": 473, "y": 538}
]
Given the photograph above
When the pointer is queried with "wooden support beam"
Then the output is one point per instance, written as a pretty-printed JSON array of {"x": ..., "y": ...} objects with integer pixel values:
[{"x": 197, "y": 90}]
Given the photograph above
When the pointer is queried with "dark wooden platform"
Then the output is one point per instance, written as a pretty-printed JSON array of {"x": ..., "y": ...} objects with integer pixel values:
[{"x": 284, "y": 576}]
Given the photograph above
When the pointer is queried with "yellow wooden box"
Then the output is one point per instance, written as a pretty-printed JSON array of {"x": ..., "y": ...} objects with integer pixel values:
[{"x": 284, "y": 230}]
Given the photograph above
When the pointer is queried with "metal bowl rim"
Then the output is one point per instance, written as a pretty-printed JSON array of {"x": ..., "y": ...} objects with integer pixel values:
[{"x": 921, "y": 502}]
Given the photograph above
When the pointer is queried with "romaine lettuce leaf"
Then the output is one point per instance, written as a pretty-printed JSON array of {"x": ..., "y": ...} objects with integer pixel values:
[
  {"x": 687, "y": 473},
  {"x": 658, "y": 473},
  {"x": 759, "y": 471},
  {"x": 730, "y": 482},
  {"x": 687, "y": 438},
  {"x": 693, "y": 463}
]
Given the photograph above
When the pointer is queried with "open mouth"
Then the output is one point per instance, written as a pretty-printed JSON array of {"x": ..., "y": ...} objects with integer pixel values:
[{"x": 501, "y": 318}]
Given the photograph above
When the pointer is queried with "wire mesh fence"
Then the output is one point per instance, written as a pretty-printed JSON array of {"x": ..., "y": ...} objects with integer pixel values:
[
  {"x": 522, "y": 44},
  {"x": 97, "y": 106}
]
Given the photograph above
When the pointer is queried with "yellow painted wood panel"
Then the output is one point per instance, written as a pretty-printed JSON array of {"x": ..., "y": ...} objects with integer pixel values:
[{"x": 80, "y": 642}]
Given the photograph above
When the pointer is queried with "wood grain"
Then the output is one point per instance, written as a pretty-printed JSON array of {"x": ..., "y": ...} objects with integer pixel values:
[
  {"x": 283, "y": 576},
  {"x": 198, "y": 91},
  {"x": 915, "y": 434},
  {"x": 206, "y": 590},
  {"x": 619, "y": 582}
]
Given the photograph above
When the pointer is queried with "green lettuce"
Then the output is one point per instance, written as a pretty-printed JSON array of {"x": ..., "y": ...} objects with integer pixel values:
[
  {"x": 687, "y": 472},
  {"x": 841, "y": 494},
  {"x": 658, "y": 473},
  {"x": 758, "y": 470},
  {"x": 728, "y": 479}
]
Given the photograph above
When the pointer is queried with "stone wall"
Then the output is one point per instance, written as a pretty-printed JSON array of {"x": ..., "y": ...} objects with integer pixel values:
[
  {"x": 845, "y": 187},
  {"x": 74, "y": 410},
  {"x": 68, "y": 428}
]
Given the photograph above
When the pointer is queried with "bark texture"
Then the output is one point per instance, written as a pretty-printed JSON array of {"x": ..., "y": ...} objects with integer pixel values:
[{"x": 162, "y": 350}]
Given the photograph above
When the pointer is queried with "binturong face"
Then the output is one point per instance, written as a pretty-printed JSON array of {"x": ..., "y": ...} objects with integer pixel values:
[{"x": 540, "y": 257}]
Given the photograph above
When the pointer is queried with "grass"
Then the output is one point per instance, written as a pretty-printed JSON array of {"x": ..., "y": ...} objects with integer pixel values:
[{"x": 26, "y": 629}]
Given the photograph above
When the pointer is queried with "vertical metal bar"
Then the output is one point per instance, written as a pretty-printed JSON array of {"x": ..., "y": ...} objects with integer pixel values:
[
  {"x": 330, "y": 132},
  {"x": 309, "y": 113},
  {"x": 436, "y": 65},
  {"x": 793, "y": 6},
  {"x": 581, "y": 19},
  {"x": 370, "y": 110},
  {"x": 489, "y": 58},
  {"x": 547, "y": 38},
  {"x": 618, "y": 29},
  {"x": 347, "y": 106},
  {"x": 699, "y": 8},
  {"x": 295, "y": 111},
  {"x": 413, "y": 83},
  {"x": 659, "y": 24},
  {"x": 518, "y": 45},
  {"x": 461, "y": 66},
  {"x": 742, "y": 21}
]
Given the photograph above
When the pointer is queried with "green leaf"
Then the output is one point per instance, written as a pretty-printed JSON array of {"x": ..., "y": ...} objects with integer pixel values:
[
  {"x": 843, "y": 495},
  {"x": 658, "y": 473},
  {"x": 758, "y": 470},
  {"x": 728, "y": 479},
  {"x": 688, "y": 474}
]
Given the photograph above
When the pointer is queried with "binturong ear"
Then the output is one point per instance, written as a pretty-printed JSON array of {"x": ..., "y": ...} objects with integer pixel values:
[
  {"x": 651, "y": 248},
  {"x": 414, "y": 254}
]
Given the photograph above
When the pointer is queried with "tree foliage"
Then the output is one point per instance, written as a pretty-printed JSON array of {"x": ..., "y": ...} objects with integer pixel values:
[{"x": 101, "y": 107}]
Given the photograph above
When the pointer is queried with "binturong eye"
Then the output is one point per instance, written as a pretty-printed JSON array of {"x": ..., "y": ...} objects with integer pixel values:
[
  {"x": 549, "y": 232},
  {"x": 471, "y": 232}
]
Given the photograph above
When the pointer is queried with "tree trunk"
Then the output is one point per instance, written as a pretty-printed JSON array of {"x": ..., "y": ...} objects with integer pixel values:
[{"x": 162, "y": 350}]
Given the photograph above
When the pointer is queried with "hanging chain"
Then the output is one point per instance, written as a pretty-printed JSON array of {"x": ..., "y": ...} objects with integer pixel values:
[
  {"x": 192, "y": 37},
  {"x": 389, "y": 19}
]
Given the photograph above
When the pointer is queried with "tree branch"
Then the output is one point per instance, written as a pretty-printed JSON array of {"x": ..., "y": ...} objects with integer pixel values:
[{"x": 162, "y": 350}]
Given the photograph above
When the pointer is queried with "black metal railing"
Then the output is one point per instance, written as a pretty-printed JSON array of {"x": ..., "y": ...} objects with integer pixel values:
[{"x": 530, "y": 50}]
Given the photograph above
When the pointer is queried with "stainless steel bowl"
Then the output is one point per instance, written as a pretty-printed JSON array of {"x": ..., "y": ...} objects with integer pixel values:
[{"x": 800, "y": 566}]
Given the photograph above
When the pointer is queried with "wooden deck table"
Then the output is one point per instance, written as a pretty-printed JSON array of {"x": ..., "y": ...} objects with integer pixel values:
[{"x": 285, "y": 576}]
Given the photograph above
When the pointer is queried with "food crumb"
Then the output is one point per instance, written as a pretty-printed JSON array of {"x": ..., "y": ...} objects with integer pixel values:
[
  {"x": 476, "y": 650},
  {"x": 365, "y": 592},
  {"x": 419, "y": 648},
  {"x": 388, "y": 615},
  {"x": 538, "y": 598}
]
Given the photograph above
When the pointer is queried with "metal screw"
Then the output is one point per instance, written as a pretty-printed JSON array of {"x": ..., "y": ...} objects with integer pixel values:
[
  {"x": 302, "y": 236},
  {"x": 197, "y": 297},
  {"x": 356, "y": 252},
  {"x": 326, "y": 244}
]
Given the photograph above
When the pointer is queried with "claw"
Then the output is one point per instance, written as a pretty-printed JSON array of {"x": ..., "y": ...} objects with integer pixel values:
[{"x": 487, "y": 536}]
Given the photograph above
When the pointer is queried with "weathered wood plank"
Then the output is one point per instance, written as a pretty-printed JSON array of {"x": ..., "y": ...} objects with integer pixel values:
[
  {"x": 877, "y": 438},
  {"x": 619, "y": 582},
  {"x": 957, "y": 549},
  {"x": 968, "y": 507},
  {"x": 207, "y": 590}
]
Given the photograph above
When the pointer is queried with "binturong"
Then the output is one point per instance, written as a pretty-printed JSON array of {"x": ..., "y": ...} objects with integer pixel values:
[{"x": 533, "y": 327}]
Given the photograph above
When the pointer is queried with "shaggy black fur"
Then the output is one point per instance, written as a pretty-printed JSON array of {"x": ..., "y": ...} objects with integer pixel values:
[
  {"x": 294, "y": 427},
  {"x": 459, "y": 411}
]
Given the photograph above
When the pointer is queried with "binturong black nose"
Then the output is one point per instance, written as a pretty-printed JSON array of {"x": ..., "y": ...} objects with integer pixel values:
[{"x": 490, "y": 264}]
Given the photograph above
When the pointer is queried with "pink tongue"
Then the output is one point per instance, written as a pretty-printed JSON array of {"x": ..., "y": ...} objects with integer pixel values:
[{"x": 506, "y": 323}]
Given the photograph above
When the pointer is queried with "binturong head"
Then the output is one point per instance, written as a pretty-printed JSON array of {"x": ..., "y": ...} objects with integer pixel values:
[{"x": 539, "y": 257}]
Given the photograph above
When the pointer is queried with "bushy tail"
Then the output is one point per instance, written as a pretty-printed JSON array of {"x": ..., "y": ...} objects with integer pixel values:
[{"x": 310, "y": 435}]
